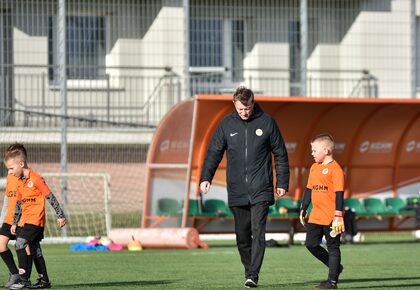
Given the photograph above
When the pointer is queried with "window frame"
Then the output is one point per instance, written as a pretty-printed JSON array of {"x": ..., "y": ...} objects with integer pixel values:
[{"x": 79, "y": 72}]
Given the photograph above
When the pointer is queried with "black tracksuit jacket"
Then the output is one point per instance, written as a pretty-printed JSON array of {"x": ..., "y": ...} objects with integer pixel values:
[{"x": 249, "y": 146}]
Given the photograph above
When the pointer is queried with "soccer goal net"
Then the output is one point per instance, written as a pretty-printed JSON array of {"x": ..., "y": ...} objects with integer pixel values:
[{"x": 85, "y": 199}]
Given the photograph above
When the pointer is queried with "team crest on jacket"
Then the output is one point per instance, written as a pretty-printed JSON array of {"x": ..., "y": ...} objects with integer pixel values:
[
  {"x": 325, "y": 171},
  {"x": 259, "y": 132},
  {"x": 30, "y": 184}
]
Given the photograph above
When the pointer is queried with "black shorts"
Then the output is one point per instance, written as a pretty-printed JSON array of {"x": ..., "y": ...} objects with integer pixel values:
[
  {"x": 30, "y": 233},
  {"x": 315, "y": 232},
  {"x": 5, "y": 231}
]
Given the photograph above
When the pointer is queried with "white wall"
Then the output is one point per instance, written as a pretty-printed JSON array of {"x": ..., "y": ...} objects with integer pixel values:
[
  {"x": 268, "y": 57},
  {"x": 380, "y": 42},
  {"x": 376, "y": 40}
]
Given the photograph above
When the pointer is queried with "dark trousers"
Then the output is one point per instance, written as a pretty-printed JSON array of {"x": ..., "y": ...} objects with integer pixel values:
[
  {"x": 250, "y": 224},
  {"x": 330, "y": 258}
]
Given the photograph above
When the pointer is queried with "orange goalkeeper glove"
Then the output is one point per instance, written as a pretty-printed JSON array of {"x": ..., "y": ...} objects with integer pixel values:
[{"x": 338, "y": 222}]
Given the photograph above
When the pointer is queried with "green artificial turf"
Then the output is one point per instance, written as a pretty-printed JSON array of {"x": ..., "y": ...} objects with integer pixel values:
[{"x": 370, "y": 265}]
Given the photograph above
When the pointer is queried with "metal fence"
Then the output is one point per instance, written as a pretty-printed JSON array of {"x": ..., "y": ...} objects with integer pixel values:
[
  {"x": 127, "y": 62},
  {"x": 128, "y": 99},
  {"x": 141, "y": 101},
  {"x": 356, "y": 84}
]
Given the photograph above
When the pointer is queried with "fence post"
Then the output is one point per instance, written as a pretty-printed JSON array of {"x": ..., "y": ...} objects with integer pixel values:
[
  {"x": 43, "y": 94},
  {"x": 108, "y": 98},
  {"x": 309, "y": 92}
]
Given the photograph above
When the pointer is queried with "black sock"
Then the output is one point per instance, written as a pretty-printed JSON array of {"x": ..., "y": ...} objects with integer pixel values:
[
  {"x": 8, "y": 260},
  {"x": 29, "y": 266},
  {"x": 38, "y": 267},
  {"x": 23, "y": 262},
  {"x": 42, "y": 268}
]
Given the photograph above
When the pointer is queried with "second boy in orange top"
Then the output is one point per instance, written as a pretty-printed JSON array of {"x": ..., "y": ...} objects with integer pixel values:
[
  {"x": 325, "y": 189},
  {"x": 7, "y": 213},
  {"x": 30, "y": 216}
]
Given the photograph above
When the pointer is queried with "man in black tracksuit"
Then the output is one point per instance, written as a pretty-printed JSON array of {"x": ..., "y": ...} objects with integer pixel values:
[{"x": 249, "y": 137}]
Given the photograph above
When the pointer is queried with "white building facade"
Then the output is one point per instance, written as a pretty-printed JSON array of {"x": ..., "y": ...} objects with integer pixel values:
[{"x": 131, "y": 60}]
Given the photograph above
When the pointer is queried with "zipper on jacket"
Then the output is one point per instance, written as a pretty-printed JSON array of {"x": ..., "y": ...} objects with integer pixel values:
[{"x": 246, "y": 152}]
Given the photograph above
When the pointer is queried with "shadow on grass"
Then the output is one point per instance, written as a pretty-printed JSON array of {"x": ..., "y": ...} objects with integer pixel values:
[
  {"x": 114, "y": 284},
  {"x": 388, "y": 286},
  {"x": 234, "y": 246},
  {"x": 215, "y": 246},
  {"x": 381, "y": 279},
  {"x": 344, "y": 283},
  {"x": 364, "y": 243}
]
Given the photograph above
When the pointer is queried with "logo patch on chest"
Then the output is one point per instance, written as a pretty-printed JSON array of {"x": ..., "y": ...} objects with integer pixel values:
[
  {"x": 325, "y": 171},
  {"x": 258, "y": 132}
]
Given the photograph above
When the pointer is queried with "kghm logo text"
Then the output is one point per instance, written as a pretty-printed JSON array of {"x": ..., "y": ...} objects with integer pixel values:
[
  {"x": 11, "y": 194},
  {"x": 30, "y": 199},
  {"x": 318, "y": 187}
]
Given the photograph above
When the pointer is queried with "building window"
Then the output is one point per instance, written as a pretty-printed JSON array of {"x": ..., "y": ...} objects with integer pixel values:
[
  {"x": 238, "y": 49},
  {"x": 206, "y": 42},
  {"x": 85, "y": 47},
  {"x": 217, "y": 43}
]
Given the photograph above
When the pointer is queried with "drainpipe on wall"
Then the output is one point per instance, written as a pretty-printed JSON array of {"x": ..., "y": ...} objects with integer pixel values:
[
  {"x": 304, "y": 44},
  {"x": 187, "y": 89},
  {"x": 414, "y": 64}
]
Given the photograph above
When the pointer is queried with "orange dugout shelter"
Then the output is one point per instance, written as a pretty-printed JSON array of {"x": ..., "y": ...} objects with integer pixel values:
[{"x": 377, "y": 144}]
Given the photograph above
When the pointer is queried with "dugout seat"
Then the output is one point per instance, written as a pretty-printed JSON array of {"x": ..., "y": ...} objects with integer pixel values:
[
  {"x": 216, "y": 207},
  {"x": 193, "y": 208},
  {"x": 288, "y": 204},
  {"x": 377, "y": 207},
  {"x": 299, "y": 202},
  {"x": 212, "y": 209},
  {"x": 168, "y": 207},
  {"x": 273, "y": 211},
  {"x": 413, "y": 200},
  {"x": 356, "y": 205},
  {"x": 397, "y": 203}
]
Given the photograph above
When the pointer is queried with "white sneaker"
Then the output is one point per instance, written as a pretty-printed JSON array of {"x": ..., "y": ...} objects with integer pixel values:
[
  {"x": 21, "y": 284},
  {"x": 249, "y": 283},
  {"x": 13, "y": 279}
]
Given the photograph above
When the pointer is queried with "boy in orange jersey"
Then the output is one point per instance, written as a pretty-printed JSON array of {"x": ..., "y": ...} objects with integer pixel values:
[
  {"x": 6, "y": 220},
  {"x": 30, "y": 216},
  {"x": 325, "y": 189},
  {"x": 8, "y": 209}
]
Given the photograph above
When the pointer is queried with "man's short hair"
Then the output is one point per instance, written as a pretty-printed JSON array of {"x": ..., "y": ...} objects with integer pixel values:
[
  {"x": 16, "y": 151},
  {"x": 326, "y": 138},
  {"x": 244, "y": 95}
]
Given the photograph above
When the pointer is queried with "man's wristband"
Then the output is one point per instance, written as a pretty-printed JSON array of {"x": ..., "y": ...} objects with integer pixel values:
[{"x": 338, "y": 213}]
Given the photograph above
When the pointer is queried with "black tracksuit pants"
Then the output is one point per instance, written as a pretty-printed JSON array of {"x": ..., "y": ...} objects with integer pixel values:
[
  {"x": 250, "y": 227},
  {"x": 330, "y": 258}
]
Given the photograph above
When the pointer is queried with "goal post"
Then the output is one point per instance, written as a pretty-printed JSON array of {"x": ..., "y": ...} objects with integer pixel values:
[{"x": 87, "y": 205}]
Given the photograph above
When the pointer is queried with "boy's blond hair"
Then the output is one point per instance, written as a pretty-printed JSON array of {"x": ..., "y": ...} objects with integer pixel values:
[
  {"x": 16, "y": 151},
  {"x": 327, "y": 139}
]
